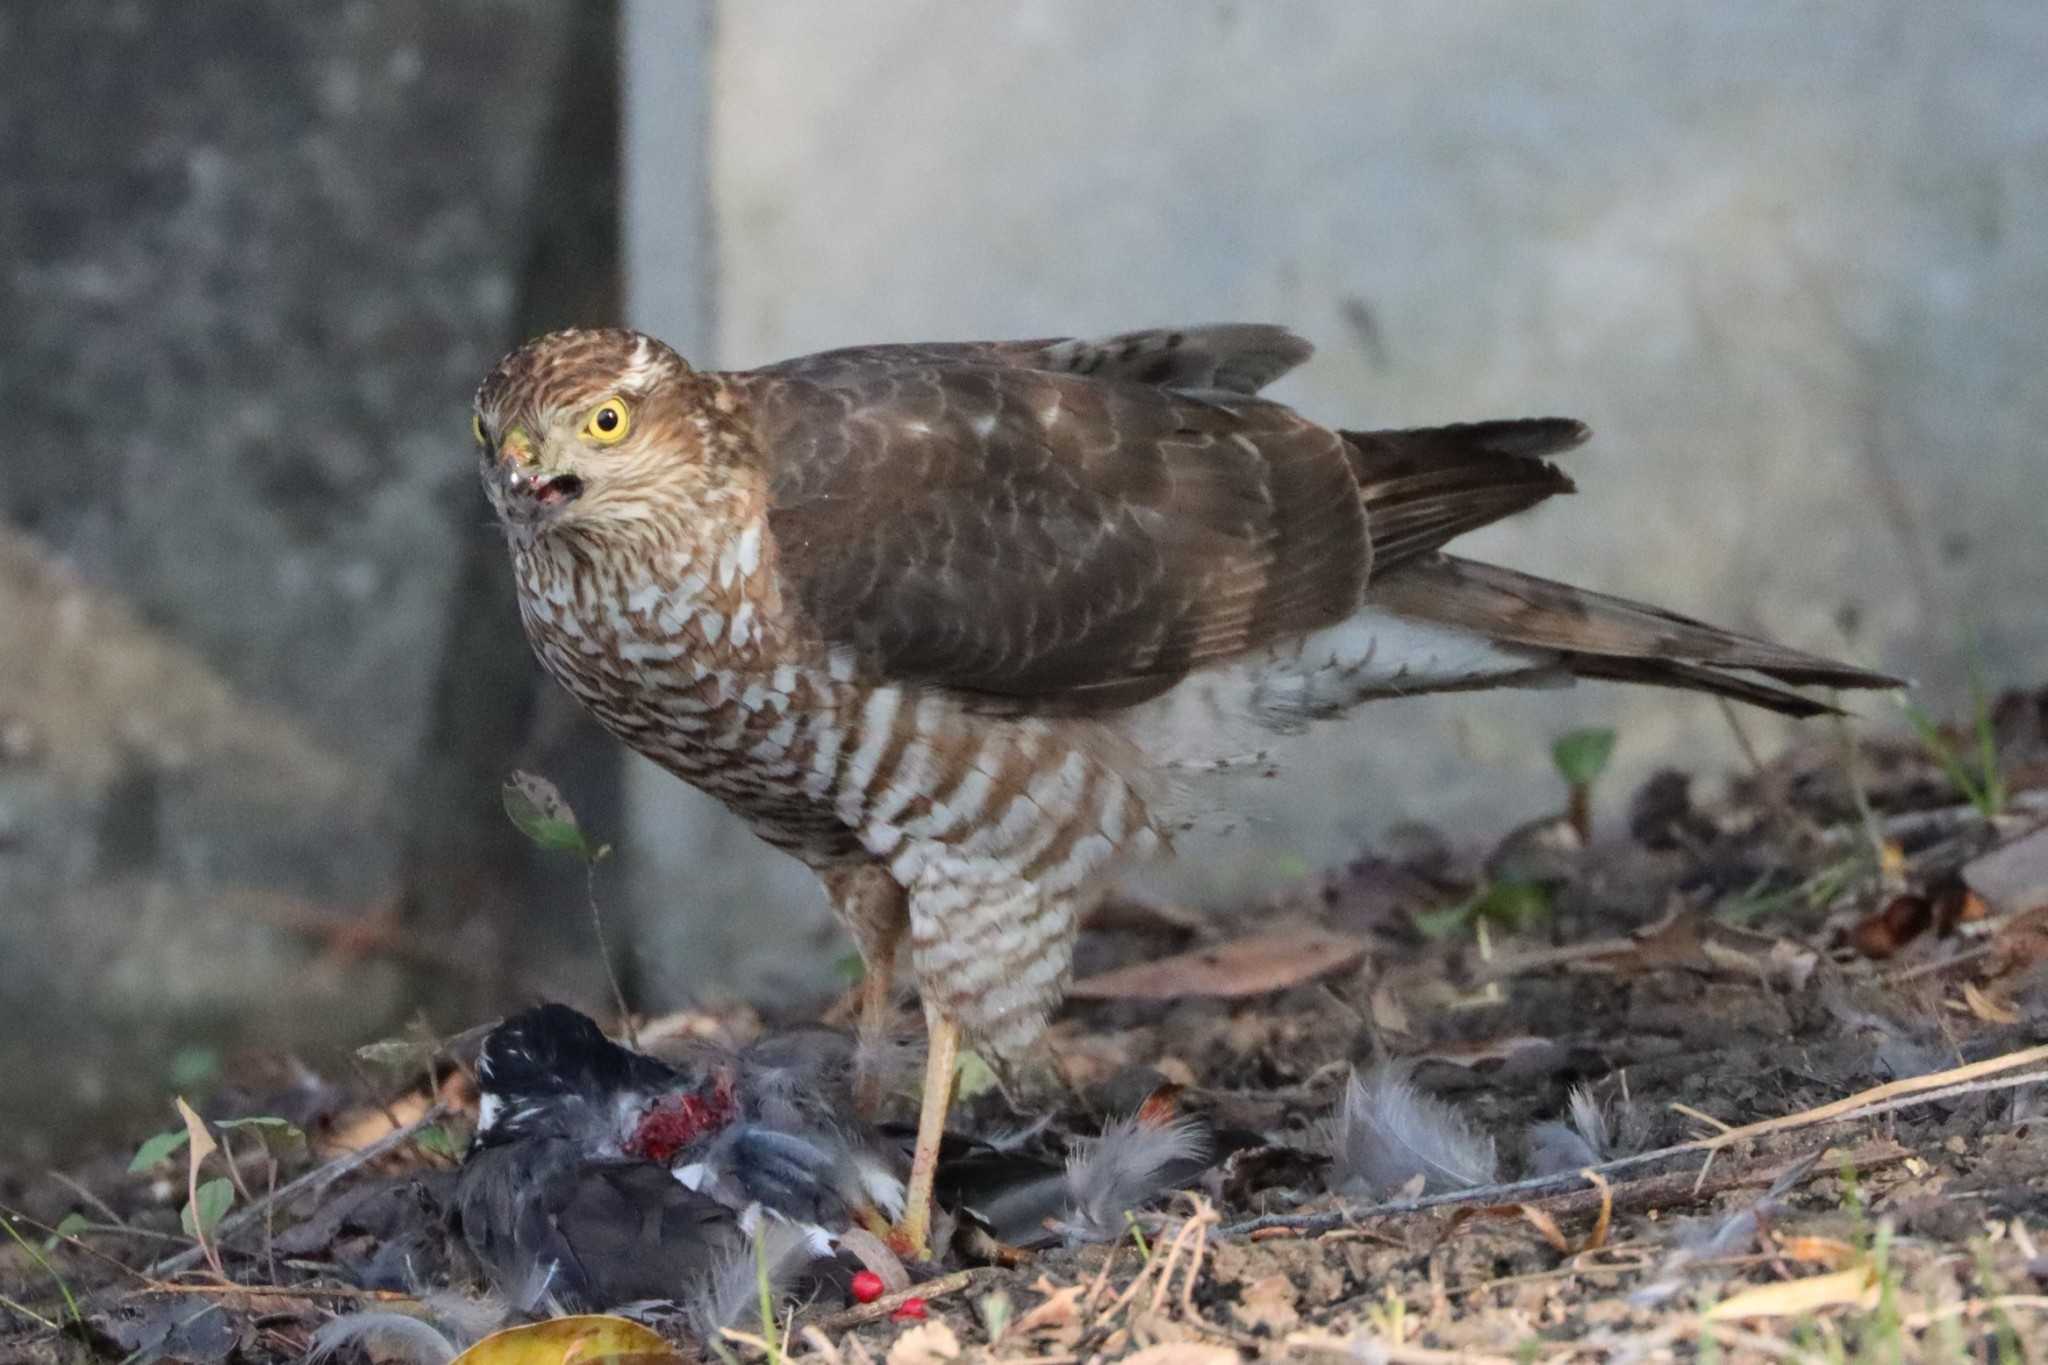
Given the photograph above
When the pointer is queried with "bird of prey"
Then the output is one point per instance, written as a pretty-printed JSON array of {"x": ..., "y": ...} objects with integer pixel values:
[{"x": 933, "y": 617}]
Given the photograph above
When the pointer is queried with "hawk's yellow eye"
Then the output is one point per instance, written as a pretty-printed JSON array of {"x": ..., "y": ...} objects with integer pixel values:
[
  {"x": 476, "y": 428},
  {"x": 608, "y": 422}
]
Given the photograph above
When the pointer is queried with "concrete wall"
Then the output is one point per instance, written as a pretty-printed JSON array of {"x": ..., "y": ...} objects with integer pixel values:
[{"x": 1791, "y": 262}]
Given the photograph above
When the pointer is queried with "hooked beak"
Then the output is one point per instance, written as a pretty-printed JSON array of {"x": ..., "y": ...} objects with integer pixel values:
[{"x": 525, "y": 491}]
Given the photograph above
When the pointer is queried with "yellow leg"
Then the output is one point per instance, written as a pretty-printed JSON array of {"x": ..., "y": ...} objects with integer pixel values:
[
  {"x": 877, "y": 1012},
  {"x": 914, "y": 1230}
]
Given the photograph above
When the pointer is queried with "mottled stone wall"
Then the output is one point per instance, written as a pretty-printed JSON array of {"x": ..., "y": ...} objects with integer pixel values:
[{"x": 253, "y": 259}]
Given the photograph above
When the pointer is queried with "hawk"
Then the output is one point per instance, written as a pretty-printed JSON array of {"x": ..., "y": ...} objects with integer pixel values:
[{"x": 933, "y": 617}]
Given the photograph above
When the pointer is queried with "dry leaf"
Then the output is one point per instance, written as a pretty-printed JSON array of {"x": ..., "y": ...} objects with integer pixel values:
[
  {"x": 1856, "y": 1286},
  {"x": 1597, "y": 1238},
  {"x": 1817, "y": 1250},
  {"x": 1267, "y": 1302},
  {"x": 1057, "y": 1320},
  {"x": 1257, "y": 965},
  {"x": 930, "y": 1343},
  {"x": 1986, "y": 1008},
  {"x": 1541, "y": 1220},
  {"x": 203, "y": 1145},
  {"x": 582, "y": 1340}
]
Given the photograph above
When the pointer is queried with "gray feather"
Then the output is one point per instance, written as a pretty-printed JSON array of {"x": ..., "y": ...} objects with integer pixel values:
[
  {"x": 1387, "y": 1133},
  {"x": 389, "y": 1334},
  {"x": 1130, "y": 1165},
  {"x": 1582, "y": 1141},
  {"x": 730, "y": 1292}
]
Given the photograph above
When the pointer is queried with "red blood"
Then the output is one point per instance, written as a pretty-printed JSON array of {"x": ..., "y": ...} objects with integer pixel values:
[
  {"x": 867, "y": 1286},
  {"x": 675, "y": 1122},
  {"x": 911, "y": 1311}
]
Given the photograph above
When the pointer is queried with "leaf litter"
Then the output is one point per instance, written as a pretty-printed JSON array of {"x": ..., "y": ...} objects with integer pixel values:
[{"x": 1747, "y": 1065}]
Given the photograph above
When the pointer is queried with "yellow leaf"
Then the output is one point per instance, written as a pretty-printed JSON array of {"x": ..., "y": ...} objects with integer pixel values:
[
  {"x": 203, "y": 1145},
  {"x": 583, "y": 1340},
  {"x": 1794, "y": 1298}
]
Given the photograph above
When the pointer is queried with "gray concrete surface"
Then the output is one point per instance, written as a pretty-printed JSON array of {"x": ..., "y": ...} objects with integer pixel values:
[
  {"x": 253, "y": 260},
  {"x": 1791, "y": 262}
]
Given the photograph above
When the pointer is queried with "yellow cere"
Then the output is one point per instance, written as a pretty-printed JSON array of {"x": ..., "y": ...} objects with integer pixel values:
[
  {"x": 608, "y": 422},
  {"x": 476, "y": 428}
]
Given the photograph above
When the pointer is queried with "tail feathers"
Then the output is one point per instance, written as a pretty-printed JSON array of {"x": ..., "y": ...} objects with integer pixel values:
[
  {"x": 1425, "y": 486},
  {"x": 1599, "y": 636}
]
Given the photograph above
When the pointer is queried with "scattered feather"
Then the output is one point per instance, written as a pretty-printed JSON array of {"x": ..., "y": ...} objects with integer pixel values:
[
  {"x": 388, "y": 1335},
  {"x": 1582, "y": 1140},
  {"x": 1131, "y": 1164},
  {"x": 730, "y": 1292},
  {"x": 1388, "y": 1133}
]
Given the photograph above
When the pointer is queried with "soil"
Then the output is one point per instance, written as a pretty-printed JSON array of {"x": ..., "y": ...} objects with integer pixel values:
[{"x": 1811, "y": 1011}]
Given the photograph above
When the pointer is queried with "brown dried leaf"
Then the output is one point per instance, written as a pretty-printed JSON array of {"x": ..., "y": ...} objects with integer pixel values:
[
  {"x": 1545, "y": 1225},
  {"x": 930, "y": 1343},
  {"x": 1597, "y": 1238},
  {"x": 1258, "y": 965}
]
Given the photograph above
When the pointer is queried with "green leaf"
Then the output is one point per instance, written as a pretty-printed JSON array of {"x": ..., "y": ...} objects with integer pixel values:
[
  {"x": 70, "y": 1225},
  {"x": 437, "y": 1140},
  {"x": 213, "y": 1200},
  {"x": 1448, "y": 922},
  {"x": 268, "y": 1127},
  {"x": 972, "y": 1076},
  {"x": 157, "y": 1149},
  {"x": 1581, "y": 756},
  {"x": 850, "y": 969},
  {"x": 1515, "y": 905},
  {"x": 540, "y": 812}
]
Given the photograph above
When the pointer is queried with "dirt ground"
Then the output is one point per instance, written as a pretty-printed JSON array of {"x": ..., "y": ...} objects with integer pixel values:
[{"x": 1809, "y": 1013}]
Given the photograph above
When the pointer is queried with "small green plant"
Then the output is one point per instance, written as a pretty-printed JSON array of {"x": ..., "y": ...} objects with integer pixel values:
[
  {"x": 1137, "y": 1236},
  {"x": 770, "y": 1332},
  {"x": 1976, "y": 774},
  {"x": 42, "y": 1262},
  {"x": 540, "y": 812},
  {"x": 1515, "y": 906},
  {"x": 1581, "y": 756}
]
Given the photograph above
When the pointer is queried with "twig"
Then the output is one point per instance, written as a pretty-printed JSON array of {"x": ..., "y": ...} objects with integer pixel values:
[
  {"x": 881, "y": 1308},
  {"x": 316, "y": 1179}
]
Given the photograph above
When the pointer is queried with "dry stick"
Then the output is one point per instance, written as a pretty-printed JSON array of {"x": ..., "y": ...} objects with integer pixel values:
[
  {"x": 884, "y": 1306},
  {"x": 318, "y": 1178},
  {"x": 1863, "y": 1104}
]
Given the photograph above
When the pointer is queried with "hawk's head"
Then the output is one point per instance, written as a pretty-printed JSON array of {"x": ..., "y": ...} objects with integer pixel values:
[{"x": 576, "y": 428}]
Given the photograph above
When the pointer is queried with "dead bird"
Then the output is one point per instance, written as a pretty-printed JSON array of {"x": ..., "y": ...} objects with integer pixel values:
[{"x": 600, "y": 1176}]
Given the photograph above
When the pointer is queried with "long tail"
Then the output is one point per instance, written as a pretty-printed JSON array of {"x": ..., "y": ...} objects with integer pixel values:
[{"x": 1593, "y": 635}]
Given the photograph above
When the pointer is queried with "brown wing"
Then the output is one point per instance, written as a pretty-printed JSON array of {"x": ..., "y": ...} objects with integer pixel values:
[
  {"x": 964, "y": 516},
  {"x": 1230, "y": 357}
]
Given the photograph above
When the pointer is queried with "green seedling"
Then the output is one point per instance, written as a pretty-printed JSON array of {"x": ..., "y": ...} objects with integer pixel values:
[
  {"x": 1975, "y": 775},
  {"x": 540, "y": 812},
  {"x": 1581, "y": 756}
]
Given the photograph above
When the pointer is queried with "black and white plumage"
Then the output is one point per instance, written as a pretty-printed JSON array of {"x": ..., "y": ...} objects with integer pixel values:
[{"x": 600, "y": 1175}]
